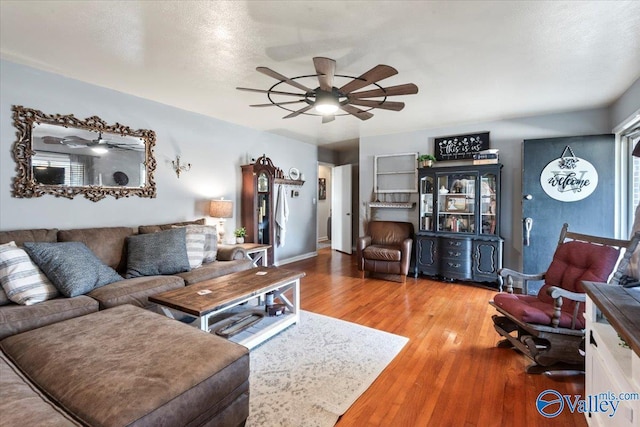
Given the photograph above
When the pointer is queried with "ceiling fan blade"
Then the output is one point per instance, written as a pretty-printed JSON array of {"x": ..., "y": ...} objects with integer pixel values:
[
  {"x": 277, "y": 103},
  {"x": 275, "y": 92},
  {"x": 387, "y": 105},
  {"x": 328, "y": 118},
  {"x": 52, "y": 140},
  {"x": 377, "y": 73},
  {"x": 326, "y": 68},
  {"x": 300, "y": 111},
  {"x": 269, "y": 72},
  {"x": 361, "y": 114},
  {"x": 405, "y": 89}
]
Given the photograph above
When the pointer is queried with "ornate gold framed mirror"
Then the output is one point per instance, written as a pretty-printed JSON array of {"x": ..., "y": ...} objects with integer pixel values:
[{"x": 65, "y": 156}]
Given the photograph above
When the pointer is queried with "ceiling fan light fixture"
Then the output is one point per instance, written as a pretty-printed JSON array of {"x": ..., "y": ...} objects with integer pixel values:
[
  {"x": 327, "y": 99},
  {"x": 326, "y": 103},
  {"x": 99, "y": 150},
  {"x": 326, "y": 107}
]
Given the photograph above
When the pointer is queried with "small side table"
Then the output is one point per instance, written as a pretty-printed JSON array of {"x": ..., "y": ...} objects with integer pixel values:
[{"x": 256, "y": 252}]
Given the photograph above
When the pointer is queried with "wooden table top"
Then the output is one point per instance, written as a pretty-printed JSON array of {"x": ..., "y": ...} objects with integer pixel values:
[
  {"x": 225, "y": 290},
  {"x": 621, "y": 307}
]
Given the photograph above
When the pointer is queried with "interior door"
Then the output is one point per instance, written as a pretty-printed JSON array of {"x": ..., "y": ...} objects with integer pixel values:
[
  {"x": 546, "y": 179},
  {"x": 341, "y": 209}
]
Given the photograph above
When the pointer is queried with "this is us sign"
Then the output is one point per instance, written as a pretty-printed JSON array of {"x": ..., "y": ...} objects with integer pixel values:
[{"x": 460, "y": 147}]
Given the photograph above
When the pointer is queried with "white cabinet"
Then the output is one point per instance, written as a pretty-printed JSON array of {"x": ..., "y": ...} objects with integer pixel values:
[{"x": 612, "y": 367}]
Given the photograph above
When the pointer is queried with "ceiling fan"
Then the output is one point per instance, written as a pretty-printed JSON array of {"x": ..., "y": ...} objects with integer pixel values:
[
  {"x": 79, "y": 142},
  {"x": 327, "y": 99}
]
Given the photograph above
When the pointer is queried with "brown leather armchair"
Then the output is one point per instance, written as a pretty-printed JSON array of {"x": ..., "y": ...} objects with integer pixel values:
[{"x": 386, "y": 250}]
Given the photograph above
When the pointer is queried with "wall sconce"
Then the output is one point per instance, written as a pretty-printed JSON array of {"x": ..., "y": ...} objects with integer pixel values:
[
  {"x": 221, "y": 209},
  {"x": 178, "y": 167}
]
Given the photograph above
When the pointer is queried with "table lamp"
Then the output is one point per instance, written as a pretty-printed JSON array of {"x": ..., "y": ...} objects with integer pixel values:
[{"x": 221, "y": 209}]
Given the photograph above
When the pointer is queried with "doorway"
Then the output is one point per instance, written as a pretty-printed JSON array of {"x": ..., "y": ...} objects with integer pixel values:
[
  {"x": 324, "y": 205},
  {"x": 342, "y": 204}
]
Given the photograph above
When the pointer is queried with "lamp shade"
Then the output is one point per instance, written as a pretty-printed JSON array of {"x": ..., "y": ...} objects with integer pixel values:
[{"x": 221, "y": 208}]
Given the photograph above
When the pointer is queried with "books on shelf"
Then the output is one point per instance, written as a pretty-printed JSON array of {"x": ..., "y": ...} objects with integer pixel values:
[
  {"x": 486, "y": 157},
  {"x": 485, "y": 162}
]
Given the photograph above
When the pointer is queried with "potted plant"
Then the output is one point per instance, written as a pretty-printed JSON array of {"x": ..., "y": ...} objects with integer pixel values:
[
  {"x": 240, "y": 233},
  {"x": 426, "y": 160}
]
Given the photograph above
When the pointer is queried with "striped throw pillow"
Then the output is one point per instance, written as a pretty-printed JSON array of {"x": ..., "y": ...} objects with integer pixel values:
[
  {"x": 195, "y": 246},
  {"x": 210, "y": 233},
  {"x": 21, "y": 279}
]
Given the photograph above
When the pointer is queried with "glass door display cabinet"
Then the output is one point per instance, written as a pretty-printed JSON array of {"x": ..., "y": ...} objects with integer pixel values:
[{"x": 458, "y": 235}]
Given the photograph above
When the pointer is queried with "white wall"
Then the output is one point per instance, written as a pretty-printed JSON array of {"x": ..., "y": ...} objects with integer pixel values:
[
  {"x": 626, "y": 106},
  {"x": 507, "y": 136},
  {"x": 215, "y": 148}
]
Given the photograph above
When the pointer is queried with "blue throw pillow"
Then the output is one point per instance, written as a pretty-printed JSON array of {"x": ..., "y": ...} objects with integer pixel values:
[
  {"x": 71, "y": 266},
  {"x": 153, "y": 254}
]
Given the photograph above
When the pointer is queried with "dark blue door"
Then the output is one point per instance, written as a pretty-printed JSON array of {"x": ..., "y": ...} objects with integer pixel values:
[{"x": 545, "y": 180}]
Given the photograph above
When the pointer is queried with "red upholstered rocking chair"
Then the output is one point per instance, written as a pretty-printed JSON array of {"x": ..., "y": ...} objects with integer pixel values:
[{"x": 549, "y": 327}]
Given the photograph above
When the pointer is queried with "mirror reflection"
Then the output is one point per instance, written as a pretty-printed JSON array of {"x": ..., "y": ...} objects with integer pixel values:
[
  {"x": 77, "y": 157},
  {"x": 65, "y": 156}
]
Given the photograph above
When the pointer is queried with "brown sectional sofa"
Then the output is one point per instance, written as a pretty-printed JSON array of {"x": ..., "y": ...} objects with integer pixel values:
[
  {"x": 108, "y": 244},
  {"x": 86, "y": 327}
]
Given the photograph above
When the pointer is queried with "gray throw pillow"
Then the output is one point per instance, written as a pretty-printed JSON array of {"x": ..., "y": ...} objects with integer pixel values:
[
  {"x": 71, "y": 266},
  {"x": 164, "y": 252}
]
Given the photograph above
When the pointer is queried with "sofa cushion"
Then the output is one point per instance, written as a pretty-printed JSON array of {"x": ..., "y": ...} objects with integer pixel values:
[
  {"x": 215, "y": 269},
  {"x": 153, "y": 254},
  {"x": 22, "y": 404},
  {"x": 107, "y": 243},
  {"x": 134, "y": 291},
  {"x": 19, "y": 318},
  {"x": 146, "y": 229},
  {"x": 35, "y": 235},
  {"x": 153, "y": 370},
  {"x": 22, "y": 281},
  {"x": 383, "y": 253},
  {"x": 71, "y": 266}
]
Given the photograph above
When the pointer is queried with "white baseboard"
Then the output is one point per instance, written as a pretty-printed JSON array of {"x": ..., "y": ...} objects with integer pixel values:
[
  {"x": 295, "y": 258},
  {"x": 323, "y": 239}
]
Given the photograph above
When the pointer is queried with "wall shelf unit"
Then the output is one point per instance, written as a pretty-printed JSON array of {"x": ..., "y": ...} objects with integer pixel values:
[
  {"x": 396, "y": 173},
  {"x": 286, "y": 181}
]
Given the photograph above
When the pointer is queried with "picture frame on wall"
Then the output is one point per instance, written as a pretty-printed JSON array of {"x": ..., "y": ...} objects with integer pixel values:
[{"x": 322, "y": 188}]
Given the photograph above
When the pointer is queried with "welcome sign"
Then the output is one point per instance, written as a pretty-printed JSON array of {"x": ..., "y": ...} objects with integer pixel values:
[{"x": 569, "y": 179}]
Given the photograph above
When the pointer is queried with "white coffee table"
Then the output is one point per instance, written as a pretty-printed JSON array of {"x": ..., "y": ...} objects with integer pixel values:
[{"x": 210, "y": 298}]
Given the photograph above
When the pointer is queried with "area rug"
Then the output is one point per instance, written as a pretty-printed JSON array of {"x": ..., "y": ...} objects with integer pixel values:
[{"x": 311, "y": 373}]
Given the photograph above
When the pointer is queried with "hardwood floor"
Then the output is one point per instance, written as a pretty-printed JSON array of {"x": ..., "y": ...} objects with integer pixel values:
[{"x": 450, "y": 373}]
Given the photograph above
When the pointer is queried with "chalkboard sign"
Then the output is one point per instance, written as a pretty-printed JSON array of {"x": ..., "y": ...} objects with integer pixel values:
[{"x": 460, "y": 147}]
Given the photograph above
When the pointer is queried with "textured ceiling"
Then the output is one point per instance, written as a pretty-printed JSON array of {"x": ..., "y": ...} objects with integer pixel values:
[{"x": 472, "y": 61}]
